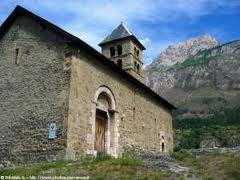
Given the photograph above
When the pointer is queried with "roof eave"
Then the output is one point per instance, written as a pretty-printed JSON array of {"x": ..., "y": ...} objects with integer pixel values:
[
  {"x": 124, "y": 38},
  {"x": 75, "y": 40}
]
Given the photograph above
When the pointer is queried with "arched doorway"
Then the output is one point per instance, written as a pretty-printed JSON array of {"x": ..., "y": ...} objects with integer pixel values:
[
  {"x": 105, "y": 123},
  {"x": 100, "y": 132}
]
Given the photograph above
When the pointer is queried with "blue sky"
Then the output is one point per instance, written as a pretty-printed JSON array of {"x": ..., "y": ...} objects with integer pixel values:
[{"x": 157, "y": 23}]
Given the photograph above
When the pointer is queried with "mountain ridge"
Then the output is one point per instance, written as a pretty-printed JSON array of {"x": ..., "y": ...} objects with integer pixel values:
[
  {"x": 201, "y": 83},
  {"x": 176, "y": 53}
]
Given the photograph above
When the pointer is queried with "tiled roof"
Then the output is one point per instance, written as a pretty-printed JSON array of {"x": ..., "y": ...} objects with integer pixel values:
[{"x": 121, "y": 32}]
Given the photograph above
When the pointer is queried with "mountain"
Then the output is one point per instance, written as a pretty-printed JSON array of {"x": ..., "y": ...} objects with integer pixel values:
[
  {"x": 202, "y": 78},
  {"x": 179, "y": 52},
  {"x": 199, "y": 75}
]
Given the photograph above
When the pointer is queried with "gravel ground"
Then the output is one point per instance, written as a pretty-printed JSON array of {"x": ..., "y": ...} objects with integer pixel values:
[{"x": 165, "y": 162}]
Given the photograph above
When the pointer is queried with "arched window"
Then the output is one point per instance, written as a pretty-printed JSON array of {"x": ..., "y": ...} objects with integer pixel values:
[
  {"x": 138, "y": 69},
  {"x": 119, "y": 63},
  {"x": 135, "y": 65},
  {"x": 119, "y": 49},
  {"x": 112, "y": 51},
  {"x": 137, "y": 53}
]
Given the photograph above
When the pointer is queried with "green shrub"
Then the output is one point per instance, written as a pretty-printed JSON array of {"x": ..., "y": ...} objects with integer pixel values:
[
  {"x": 180, "y": 155},
  {"x": 126, "y": 161},
  {"x": 223, "y": 126},
  {"x": 222, "y": 118},
  {"x": 231, "y": 167},
  {"x": 99, "y": 158}
]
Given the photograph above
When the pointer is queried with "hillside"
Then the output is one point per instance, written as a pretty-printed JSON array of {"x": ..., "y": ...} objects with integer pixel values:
[
  {"x": 220, "y": 130},
  {"x": 202, "y": 83},
  {"x": 201, "y": 166},
  {"x": 205, "y": 86},
  {"x": 101, "y": 167}
]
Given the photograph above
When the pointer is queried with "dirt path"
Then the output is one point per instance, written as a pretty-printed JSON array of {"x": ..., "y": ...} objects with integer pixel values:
[{"x": 165, "y": 162}]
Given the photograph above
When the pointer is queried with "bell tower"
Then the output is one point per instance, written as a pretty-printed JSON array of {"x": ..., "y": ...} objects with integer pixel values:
[{"x": 124, "y": 49}]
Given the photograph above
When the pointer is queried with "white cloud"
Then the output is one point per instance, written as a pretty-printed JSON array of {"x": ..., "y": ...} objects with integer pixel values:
[
  {"x": 111, "y": 12},
  {"x": 92, "y": 20},
  {"x": 145, "y": 41}
]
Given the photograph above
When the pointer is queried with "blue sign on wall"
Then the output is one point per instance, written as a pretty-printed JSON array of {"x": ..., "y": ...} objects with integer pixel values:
[{"x": 52, "y": 131}]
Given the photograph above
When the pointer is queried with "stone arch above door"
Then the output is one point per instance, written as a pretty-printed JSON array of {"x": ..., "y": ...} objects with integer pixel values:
[
  {"x": 104, "y": 101},
  {"x": 103, "y": 90}
]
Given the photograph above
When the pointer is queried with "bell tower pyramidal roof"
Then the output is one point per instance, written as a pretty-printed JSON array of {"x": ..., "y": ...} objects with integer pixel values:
[{"x": 121, "y": 32}]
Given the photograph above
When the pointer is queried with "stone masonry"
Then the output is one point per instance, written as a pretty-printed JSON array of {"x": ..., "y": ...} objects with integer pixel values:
[
  {"x": 45, "y": 78},
  {"x": 33, "y": 93},
  {"x": 141, "y": 118}
]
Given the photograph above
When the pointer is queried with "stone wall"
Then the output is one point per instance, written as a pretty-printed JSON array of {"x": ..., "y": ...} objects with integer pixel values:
[
  {"x": 128, "y": 58},
  {"x": 39, "y": 85},
  {"x": 33, "y": 93},
  {"x": 125, "y": 57},
  {"x": 141, "y": 119}
]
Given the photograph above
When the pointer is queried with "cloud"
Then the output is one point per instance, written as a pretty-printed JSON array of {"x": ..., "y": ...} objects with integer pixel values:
[
  {"x": 92, "y": 20},
  {"x": 145, "y": 41},
  {"x": 109, "y": 12}
]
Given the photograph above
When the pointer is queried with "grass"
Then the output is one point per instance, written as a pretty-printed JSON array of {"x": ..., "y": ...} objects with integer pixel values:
[
  {"x": 37, "y": 169},
  {"x": 180, "y": 155},
  {"x": 217, "y": 166},
  {"x": 210, "y": 166},
  {"x": 103, "y": 167}
]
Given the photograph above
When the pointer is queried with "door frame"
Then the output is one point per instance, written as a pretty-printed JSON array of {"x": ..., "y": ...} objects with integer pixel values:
[
  {"x": 99, "y": 116},
  {"x": 112, "y": 123}
]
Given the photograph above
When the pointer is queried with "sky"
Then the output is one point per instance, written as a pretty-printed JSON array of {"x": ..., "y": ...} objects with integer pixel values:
[{"x": 156, "y": 23}]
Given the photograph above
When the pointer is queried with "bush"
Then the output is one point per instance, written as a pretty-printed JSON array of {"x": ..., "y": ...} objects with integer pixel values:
[
  {"x": 103, "y": 158},
  {"x": 180, "y": 155},
  {"x": 222, "y": 118},
  {"x": 223, "y": 126},
  {"x": 231, "y": 167},
  {"x": 126, "y": 161}
]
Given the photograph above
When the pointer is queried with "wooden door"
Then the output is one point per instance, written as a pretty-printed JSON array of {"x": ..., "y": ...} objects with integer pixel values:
[{"x": 100, "y": 129}]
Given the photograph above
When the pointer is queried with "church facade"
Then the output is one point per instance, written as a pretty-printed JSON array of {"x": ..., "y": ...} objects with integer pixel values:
[{"x": 60, "y": 98}]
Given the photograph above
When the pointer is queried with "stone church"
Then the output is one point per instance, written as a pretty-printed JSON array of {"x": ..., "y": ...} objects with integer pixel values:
[{"x": 62, "y": 99}]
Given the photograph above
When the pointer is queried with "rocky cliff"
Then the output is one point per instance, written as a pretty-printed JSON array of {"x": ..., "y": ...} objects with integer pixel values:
[
  {"x": 198, "y": 75},
  {"x": 177, "y": 53}
]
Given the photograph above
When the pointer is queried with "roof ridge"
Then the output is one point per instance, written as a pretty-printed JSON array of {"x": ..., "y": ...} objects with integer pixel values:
[
  {"x": 19, "y": 10},
  {"x": 125, "y": 26},
  {"x": 119, "y": 33}
]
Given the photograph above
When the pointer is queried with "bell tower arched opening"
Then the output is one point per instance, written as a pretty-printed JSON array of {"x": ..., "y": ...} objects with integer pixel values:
[{"x": 123, "y": 44}]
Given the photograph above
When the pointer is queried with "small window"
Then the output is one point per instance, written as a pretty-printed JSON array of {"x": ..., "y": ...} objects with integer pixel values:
[
  {"x": 138, "y": 69},
  {"x": 17, "y": 56},
  {"x": 119, "y": 49},
  {"x": 137, "y": 53},
  {"x": 112, "y": 51},
  {"x": 135, "y": 65},
  {"x": 163, "y": 148},
  {"x": 119, "y": 63}
]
